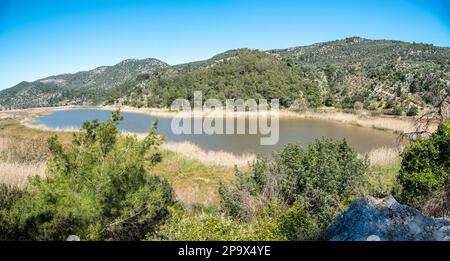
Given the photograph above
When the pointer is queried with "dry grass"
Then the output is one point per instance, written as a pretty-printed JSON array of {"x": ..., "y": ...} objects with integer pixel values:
[
  {"x": 194, "y": 183},
  {"x": 21, "y": 158},
  {"x": 384, "y": 156},
  {"x": 382, "y": 175},
  {"x": 13, "y": 127},
  {"x": 210, "y": 158},
  {"x": 17, "y": 173},
  {"x": 397, "y": 124},
  {"x": 23, "y": 153},
  {"x": 166, "y": 113},
  {"x": 437, "y": 204},
  {"x": 219, "y": 158},
  {"x": 18, "y": 149}
]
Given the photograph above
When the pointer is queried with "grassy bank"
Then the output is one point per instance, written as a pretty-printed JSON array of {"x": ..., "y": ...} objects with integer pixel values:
[{"x": 23, "y": 153}]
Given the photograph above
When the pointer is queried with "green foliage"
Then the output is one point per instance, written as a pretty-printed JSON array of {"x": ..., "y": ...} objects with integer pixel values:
[
  {"x": 79, "y": 88},
  {"x": 319, "y": 180},
  {"x": 97, "y": 188},
  {"x": 397, "y": 110},
  {"x": 373, "y": 106},
  {"x": 390, "y": 104},
  {"x": 238, "y": 74},
  {"x": 204, "y": 225},
  {"x": 412, "y": 111},
  {"x": 271, "y": 222},
  {"x": 295, "y": 224},
  {"x": 382, "y": 180},
  {"x": 9, "y": 195},
  {"x": 329, "y": 101},
  {"x": 426, "y": 165}
]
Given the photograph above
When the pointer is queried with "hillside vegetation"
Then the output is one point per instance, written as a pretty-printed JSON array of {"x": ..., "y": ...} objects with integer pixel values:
[
  {"x": 387, "y": 76},
  {"x": 87, "y": 87}
]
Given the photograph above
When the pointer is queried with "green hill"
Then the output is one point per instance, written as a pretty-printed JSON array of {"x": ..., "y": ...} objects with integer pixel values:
[
  {"x": 383, "y": 75},
  {"x": 78, "y": 88}
]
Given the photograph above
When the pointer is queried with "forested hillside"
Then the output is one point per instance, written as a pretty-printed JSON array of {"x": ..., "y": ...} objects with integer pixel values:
[
  {"x": 236, "y": 74},
  {"x": 388, "y": 76},
  {"x": 379, "y": 73},
  {"x": 78, "y": 88}
]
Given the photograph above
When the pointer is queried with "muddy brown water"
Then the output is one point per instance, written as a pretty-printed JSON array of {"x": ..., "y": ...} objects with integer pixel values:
[{"x": 291, "y": 130}]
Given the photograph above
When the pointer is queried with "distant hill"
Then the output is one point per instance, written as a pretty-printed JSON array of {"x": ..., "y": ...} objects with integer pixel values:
[
  {"x": 383, "y": 75},
  {"x": 78, "y": 88},
  {"x": 375, "y": 71}
]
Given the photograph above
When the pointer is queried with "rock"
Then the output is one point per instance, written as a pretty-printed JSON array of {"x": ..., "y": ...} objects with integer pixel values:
[
  {"x": 73, "y": 238},
  {"x": 373, "y": 238},
  {"x": 371, "y": 219}
]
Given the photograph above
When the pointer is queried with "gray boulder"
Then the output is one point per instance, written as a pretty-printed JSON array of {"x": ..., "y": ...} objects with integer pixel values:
[{"x": 371, "y": 219}]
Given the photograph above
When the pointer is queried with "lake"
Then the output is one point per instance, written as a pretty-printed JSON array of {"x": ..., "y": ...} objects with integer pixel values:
[{"x": 292, "y": 130}]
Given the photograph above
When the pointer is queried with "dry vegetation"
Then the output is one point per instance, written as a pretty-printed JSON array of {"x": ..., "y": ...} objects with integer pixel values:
[
  {"x": 21, "y": 158},
  {"x": 393, "y": 123},
  {"x": 194, "y": 183},
  {"x": 17, "y": 173},
  {"x": 384, "y": 156},
  {"x": 23, "y": 153},
  {"x": 194, "y": 173},
  {"x": 218, "y": 158}
]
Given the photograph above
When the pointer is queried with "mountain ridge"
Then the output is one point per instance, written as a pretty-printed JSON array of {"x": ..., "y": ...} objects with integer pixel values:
[
  {"x": 54, "y": 88},
  {"x": 341, "y": 72}
]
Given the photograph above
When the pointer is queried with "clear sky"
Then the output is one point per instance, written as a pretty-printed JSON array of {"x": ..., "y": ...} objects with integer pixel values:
[{"x": 42, "y": 38}]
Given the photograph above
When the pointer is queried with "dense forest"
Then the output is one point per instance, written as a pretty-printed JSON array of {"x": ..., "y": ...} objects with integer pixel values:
[{"x": 391, "y": 77}]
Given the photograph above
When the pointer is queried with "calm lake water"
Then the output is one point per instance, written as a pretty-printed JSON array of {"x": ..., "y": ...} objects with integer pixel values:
[{"x": 302, "y": 131}]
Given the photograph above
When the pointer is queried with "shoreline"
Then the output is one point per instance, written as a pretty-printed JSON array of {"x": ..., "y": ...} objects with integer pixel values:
[
  {"x": 396, "y": 124},
  {"x": 219, "y": 157}
]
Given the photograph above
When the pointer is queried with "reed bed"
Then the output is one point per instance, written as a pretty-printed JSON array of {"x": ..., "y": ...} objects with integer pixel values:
[
  {"x": 399, "y": 125},
  {"x": 17, "y": 174},
  {"x": 18, "y": 150},
  {"x": 218, "y": 158},
  {"x": 384, "y": 156},
  {"x": 21, "y": 158}
]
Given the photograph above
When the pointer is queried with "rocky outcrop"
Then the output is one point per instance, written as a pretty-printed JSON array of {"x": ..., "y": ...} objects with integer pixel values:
[{"x": 374, "y": 219}]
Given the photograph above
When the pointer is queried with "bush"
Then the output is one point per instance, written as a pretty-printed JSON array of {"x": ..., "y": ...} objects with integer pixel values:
[
  {"x": 319, "y": 180},
  {"x": 390, "y": 104},
  {"x": 329, "y": 101},
  {"x": 9, "y": 195},
  {"x": 426, "y": 165},
  {"x": 271, "y": 222},
  {"x": 373, "y": 106},
  {"x": 204, "y": 225},
  {"x": 96, "y": 188},
  {"x": 358, "y": 106},
  {"x": 397, "y": 111},
  {"x": 412, "y": 111},
  {"x": 295, "y": 224}
]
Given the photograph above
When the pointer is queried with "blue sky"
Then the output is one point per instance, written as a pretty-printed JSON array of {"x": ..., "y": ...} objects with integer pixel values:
[{"x": 42, "y": 38}]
